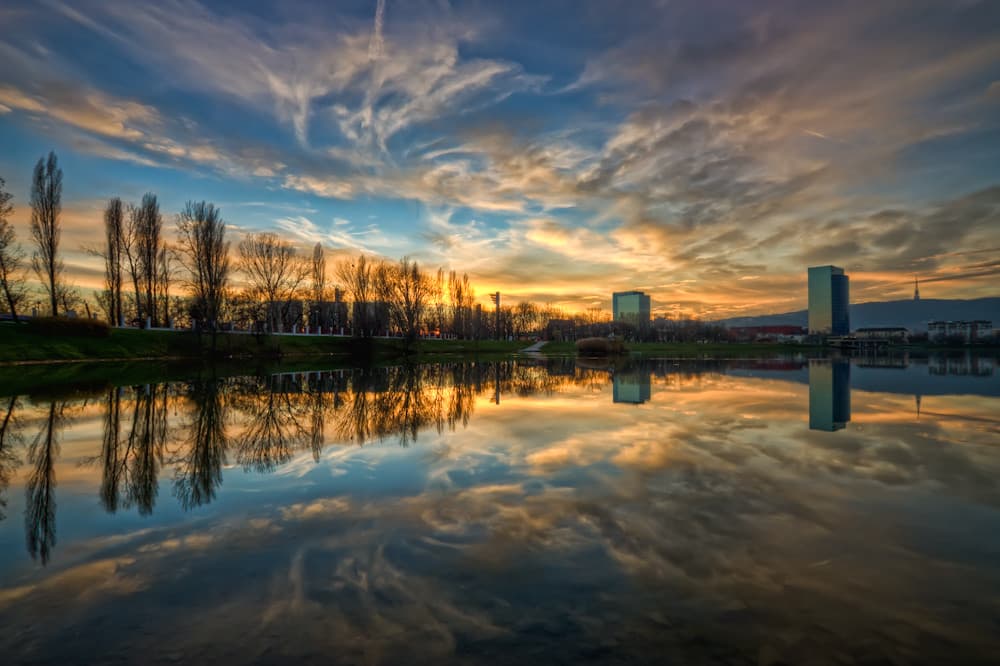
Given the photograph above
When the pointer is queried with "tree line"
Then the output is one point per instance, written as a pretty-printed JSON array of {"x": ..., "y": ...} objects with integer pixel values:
[{"x": 266, "y": 285}]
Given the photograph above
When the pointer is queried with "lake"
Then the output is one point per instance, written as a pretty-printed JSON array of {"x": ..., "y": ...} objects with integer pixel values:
[{"x": 768, "y": 511}]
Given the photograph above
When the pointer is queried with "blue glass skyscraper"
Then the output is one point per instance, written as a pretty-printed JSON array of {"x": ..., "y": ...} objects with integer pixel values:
[
  {"x": 829, "y": 301},
  {"x": 632, "y": 307}
]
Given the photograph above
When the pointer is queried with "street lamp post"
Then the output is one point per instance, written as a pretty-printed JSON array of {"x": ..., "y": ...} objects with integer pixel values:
[{"x": 495, "y": 297}]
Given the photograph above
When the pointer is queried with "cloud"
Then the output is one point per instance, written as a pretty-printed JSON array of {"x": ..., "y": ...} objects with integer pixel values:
[
  {"x": 91, "y": 111},
  {"x": 680, "y": 144}
]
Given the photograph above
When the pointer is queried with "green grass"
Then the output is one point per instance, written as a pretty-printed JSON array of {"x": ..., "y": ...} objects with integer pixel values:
[
  {"x": 17, "y": 345},
  {"x": 62, "y": 373}
]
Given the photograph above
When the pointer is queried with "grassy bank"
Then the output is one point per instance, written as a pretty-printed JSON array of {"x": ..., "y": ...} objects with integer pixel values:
[
  {"x": 17, "y": 345},
  {"x": 48, "y": 365}
]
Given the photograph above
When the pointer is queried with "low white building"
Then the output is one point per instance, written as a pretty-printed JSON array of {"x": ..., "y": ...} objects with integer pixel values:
[{"x": 970, "y": 331}]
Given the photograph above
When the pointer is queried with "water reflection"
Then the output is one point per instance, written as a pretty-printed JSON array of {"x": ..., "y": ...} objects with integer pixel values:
[
  {"x": 9, "y": 441},
  {"x": 470, "y": 510},
  {"x": 829, "y": 394},
  {"x": 262, "y": 423},
  {"x": 199, "y": 465},
  {"x": 40, "y": 488},
  {"x": 632, "y": 386},
  {"x": 132, "y": 462}
]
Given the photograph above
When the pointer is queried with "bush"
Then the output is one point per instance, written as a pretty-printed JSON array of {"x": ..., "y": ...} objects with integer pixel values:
[{"x": 61, "y": 326}]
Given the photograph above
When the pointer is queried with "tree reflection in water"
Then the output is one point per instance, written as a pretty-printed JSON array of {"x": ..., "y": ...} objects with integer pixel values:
[
  {"x": 40, "y": 489},
  {"x": 10, "y": 438},
  {"x": 198, "y": 471},
  {"x": 267, "y": 421},
  {"x": 134, "y": 463}
]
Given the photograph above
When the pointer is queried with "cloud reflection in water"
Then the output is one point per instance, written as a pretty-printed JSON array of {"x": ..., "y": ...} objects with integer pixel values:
[{"x": 706, "y": 524}]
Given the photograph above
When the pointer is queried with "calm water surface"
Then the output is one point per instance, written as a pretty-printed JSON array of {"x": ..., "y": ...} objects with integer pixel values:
[{"x": 753, "y": 512}]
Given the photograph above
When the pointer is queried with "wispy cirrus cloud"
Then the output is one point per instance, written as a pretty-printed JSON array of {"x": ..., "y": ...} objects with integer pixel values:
[{"x": 679, "y": 146}]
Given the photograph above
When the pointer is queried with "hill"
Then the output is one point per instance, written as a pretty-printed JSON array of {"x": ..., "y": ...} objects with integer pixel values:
[{"x": 914, "y": 315}]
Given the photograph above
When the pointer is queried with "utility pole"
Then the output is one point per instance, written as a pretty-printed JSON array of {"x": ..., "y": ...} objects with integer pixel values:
[{"x": 495, "y": 297}]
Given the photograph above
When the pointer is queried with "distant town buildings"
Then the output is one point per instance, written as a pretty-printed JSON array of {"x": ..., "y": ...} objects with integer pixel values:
[
  {"x": 560, "y": 329},
  {"x": 631, "y": 307},
  {"x": 890, "y": 333},
  {"x": 773, "y": 333},
  {"x": 829, "y": 301},
  {"x": 968, "y": 331}
]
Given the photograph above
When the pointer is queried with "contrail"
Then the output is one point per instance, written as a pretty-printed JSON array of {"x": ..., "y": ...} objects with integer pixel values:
[
  {"x": 376, "y": 49},
  {"x": 376, "y": 45}
]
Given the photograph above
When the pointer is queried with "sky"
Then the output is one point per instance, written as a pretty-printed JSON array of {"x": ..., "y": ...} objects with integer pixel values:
[{"x": 704, "y": 151}]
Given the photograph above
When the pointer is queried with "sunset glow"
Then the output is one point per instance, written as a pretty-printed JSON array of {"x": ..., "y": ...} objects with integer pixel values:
[{"x": 703, "y": 152}]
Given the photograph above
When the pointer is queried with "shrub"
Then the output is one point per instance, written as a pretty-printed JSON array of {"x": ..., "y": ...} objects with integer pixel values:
[{"x": 76, "y": 328}]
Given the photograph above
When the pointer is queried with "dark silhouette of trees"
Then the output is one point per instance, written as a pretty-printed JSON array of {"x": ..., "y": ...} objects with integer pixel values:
[
  {"x": 525, "y": 317},
  {"x": 411, "y": 290},
  {"x": 40, "y": 504},
  {"x": 10, "y": 435},
  {"x": 274, "y": 274},
  {"x": 111, "y": 445},
  {"x": 199, "y": 473},
  {"x": 358, "y": 280},
  {"x": 275, "y": 426},
  {"x": 318, "y": 274},
  {"x": 114, "y": 256},
  {"x": 462, "y": 297},
  {"x": 46, "y": 205},
  {"x": 133, "y": 463},
  {"x": 11, "y": 257},
  {"x": 133, "y": 262},
  {"x": 205, "y": 254},
  {"x": 146, "y": 256},
  {"x": 318, "y": 406}
]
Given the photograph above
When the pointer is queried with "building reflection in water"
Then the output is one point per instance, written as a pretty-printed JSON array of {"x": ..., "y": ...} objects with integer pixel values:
[
  {"x": 183, "y": 435},
  {"x": 632, "y": 386},
  {"x": 829, "y": 394}
]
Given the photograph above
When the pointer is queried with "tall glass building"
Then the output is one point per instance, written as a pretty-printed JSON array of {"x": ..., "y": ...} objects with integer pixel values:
[
  {"x": 829, "y": 301},
  {"x": 632, "y": 307}
]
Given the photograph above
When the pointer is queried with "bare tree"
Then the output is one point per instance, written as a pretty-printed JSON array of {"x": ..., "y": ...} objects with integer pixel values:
[
  {"x": 114, "y": 250},
  {"x": 412, "y": 291},
  {"x": 462, "y": 296},
  {"x": 318, "y": 273},
  {"x": 69, "y": 298},
  {"x": 46, "y": 205},
  {"x": 438, "y": 307},
  {"x": 148, "y": 245},
  {"x": 205, "y": 253},
  {"x": 274, "y": 273},
  {"x": 525, "y": 317},
  {"x": 383, "y": 286},
  {"x": 164, "y": 275},
  {"x": 132, "y": 260},
  {"x": 318, "y": 291},
  {"x": 11, "y": 257},
  {"x": 357, "y": 278}
]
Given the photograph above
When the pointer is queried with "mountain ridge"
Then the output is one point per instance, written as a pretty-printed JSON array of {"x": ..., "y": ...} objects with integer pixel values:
[{"x": 908, "y": 313}]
